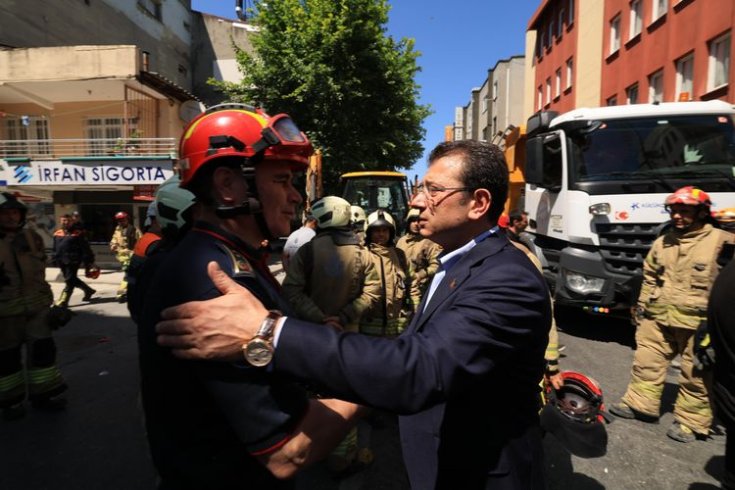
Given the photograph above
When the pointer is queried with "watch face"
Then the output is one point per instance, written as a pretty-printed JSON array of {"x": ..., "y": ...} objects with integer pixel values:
[{"x": 258, "y": 352}]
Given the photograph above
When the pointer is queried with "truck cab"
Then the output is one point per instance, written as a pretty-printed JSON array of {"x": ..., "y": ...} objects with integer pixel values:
[
  {"x": 596, "y": 180},
  {"x": 378, "y": 189}
]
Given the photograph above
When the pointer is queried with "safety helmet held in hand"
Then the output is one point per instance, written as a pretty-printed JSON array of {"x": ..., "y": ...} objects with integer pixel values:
[
  {"x": 172, "y": 204},
  {"x": 358, "y": 215},
  {"x": 121, "y": 215},
  {"x": 238, "y": 130},
  {"x": 689, "y": 195},
  {"x": 575, "y": 415},
  {"x": 92, "y": 272},
  {"x": 331, "y": 212}
]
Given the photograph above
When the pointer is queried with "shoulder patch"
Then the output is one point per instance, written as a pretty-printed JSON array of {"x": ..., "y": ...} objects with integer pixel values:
[{"x": 240, "y": 265}]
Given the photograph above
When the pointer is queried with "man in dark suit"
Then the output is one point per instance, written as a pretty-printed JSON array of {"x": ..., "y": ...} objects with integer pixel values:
[{"x": 465, "y": 374}]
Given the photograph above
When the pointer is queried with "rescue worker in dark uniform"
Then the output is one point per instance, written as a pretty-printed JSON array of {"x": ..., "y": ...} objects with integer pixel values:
[
  {"x": 222, "y": 425},
  {"x": 71, "y": 251},
  {"x": 25, "y": 306}
]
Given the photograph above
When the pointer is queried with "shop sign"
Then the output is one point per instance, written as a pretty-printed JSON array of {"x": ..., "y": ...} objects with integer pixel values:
[{"x": 56, "y": 172}]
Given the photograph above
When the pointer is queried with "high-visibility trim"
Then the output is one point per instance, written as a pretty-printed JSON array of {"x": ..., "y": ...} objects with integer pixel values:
[
  {"x": 7, "y": 383},
  {"x": 646, "y": 389},
  {"x": 43, "y": 375}
]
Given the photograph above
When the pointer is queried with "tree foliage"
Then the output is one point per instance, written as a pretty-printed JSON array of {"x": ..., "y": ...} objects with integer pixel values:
[{"x": 347, "y": 84}]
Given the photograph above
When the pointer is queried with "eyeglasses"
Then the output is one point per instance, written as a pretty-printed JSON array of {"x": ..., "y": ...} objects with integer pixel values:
[{"x": 432, "y": 190}]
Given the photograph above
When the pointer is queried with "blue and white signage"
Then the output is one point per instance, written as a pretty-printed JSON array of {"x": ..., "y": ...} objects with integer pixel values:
[{"x": 107, "y": 172}]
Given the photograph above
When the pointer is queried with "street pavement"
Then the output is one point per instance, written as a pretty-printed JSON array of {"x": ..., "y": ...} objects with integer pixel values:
[{"x": 98, "y": 442}]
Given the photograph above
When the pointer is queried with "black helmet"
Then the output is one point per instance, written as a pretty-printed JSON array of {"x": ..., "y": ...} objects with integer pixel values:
[
  {"x": 9, "y": 201},
  {"x": 575, "y": 414}
]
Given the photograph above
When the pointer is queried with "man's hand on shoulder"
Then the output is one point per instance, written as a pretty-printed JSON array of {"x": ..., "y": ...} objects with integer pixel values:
[{"x": 215, "y": 329}]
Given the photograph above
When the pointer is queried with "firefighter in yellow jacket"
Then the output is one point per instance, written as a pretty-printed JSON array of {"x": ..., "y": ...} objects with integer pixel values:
[
  {"x": 421, "y": 254},
  {"x": 25, "y": 305},
  {"x": 122, "y": 244},
  {"x": 678, "y": 274},
  {"x": 331, "y": 278},
  {"x": 389, "y": 316}
]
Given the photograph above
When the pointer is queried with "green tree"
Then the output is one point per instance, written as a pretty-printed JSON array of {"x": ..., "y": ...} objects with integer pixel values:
[{"x": 349, "y": 86}]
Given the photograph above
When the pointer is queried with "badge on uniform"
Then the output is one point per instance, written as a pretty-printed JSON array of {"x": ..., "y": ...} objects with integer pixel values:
[{"x": 240, "y": 265}]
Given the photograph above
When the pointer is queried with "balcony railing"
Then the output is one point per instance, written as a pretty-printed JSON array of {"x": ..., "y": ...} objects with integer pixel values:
[{"x": 56, "y": 149}]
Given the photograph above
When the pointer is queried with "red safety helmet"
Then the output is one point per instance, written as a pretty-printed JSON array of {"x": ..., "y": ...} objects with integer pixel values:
[
  {"x": 575, "y": 414},
  {"x": 121, "y": 215},
  {"x": 92, "y": 272},
  {"x": 241, "y": 131},
  {"x": 689, "y": 195},
  {"x": 503, "y": 221}
]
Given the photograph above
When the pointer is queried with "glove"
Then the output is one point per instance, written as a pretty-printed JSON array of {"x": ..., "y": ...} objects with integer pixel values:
[
  {"x": 58, "y": 316},
  {"x": 704, "y": 353}
]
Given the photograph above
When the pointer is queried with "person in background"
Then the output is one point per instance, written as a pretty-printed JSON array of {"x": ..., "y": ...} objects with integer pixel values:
[
  {"x": 296, "y": 239},
  {"x": 358, "y": 222},
  {"x": 388, "y": 316},
  {"x": 332, "y": 280},
  {"x": 678, "y": 273},
  {"x": 122, "y": 244},
  {"x": 25, "y": 318},
  {"x": 421, "y": 254},
  {"x": 464, "y": 375},
  {"x": 71, "y": 251}
]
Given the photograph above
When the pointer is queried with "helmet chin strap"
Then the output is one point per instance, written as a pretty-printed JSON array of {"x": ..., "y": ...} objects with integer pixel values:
[{"x": 250, "y": 206}]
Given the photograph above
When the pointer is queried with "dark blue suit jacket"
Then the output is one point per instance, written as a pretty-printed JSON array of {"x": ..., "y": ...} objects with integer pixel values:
[{"x": 464, "y": 376}]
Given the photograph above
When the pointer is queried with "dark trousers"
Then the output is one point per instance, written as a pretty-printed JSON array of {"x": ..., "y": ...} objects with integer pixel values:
[
  {"x": 72, "y": 281},
  {"x": 728, "y": 479}
]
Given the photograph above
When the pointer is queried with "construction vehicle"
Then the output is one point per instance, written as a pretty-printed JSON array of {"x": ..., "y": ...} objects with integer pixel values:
[
  {"x": 514, "y": 139},
  {"x": 596, "y": 180},
  {"x": 378, "y": 189}
]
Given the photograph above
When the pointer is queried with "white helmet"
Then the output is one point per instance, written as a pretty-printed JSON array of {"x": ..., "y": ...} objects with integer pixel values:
[
  {"x": 381, "y": 217},
  {"x": 358, "y": 214},
  {"x": 331, "y": 212},
  {"x": 172, "y": 202}
]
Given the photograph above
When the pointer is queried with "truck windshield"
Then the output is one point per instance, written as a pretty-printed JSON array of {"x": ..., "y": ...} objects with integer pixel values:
[
  {"x": 668, "y": 147},
  {"x": 371, "y": 193}
]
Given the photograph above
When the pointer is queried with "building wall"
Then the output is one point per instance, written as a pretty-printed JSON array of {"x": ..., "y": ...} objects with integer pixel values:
[
  {"x": 485, "y": 110},
  {"x": 529, "y": 77},
  {"x": 213, "y": 55},
  {"x": 687, "y": 27},
  {"x": 104, "y": 22},
  {"x": 553, "y": 47},
  {"x": 508, "y": 106},
  {"x": 588, "y": 61}
]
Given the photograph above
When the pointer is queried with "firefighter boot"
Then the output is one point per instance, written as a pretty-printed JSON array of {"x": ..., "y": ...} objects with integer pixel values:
[
  {"x": 63, "y": 300},
  {"x": 681, "y": 433},
  {"x": 88, "y": 293},
  {"x": 623, "y": 411},
  {"x": 14, "y": 412}
]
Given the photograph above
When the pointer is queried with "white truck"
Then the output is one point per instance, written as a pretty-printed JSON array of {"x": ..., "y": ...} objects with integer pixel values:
[{"x": 596, "y": 180}]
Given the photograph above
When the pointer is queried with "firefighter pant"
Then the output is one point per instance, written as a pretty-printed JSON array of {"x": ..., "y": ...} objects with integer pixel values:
[
  {"x": 658, "y": 344},
  {"x": 124, "y": 258},
  {"x": 72, "y": 281},
  {"x": 41, "y": 378}
]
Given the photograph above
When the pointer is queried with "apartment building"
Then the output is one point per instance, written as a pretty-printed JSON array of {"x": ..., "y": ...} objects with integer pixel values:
[
  {"x": 667, "y": 51},
  {"x": 93, "y": 99}
]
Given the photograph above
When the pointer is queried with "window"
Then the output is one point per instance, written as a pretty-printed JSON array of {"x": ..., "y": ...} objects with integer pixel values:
[
  {"x": 684, "y": 77},
  {"x": 539, "y": 98},
  {"x": 108, "y": 131},
  {"x": 656, "y": 87},
  {"x": 550, "y": 34},
  {"x": 631, "y": 94},
  {"x": 659, "y": 9},
  {"x": 570, "y": 20},
  {"x": 719, "y": 62},
  {"x": 152, "y": 7},
  {"x": 495, "y": 90},
  {"x": 548, "y": 91},
  {"x": 612, "y": 100},
  {"x": 560, "y": 23},
  {"x": 636, "y": 18},
  {"x": 614, "y": 35},
  {"x": 557, "y": 86},
  {"x": 27, "y": 136},
  {"x": 483, "y": 105},
  {"x": 570, "y": 71}
]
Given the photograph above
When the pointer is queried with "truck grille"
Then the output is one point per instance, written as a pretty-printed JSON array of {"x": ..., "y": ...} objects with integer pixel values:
[{"x": 624, "y": 246}]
